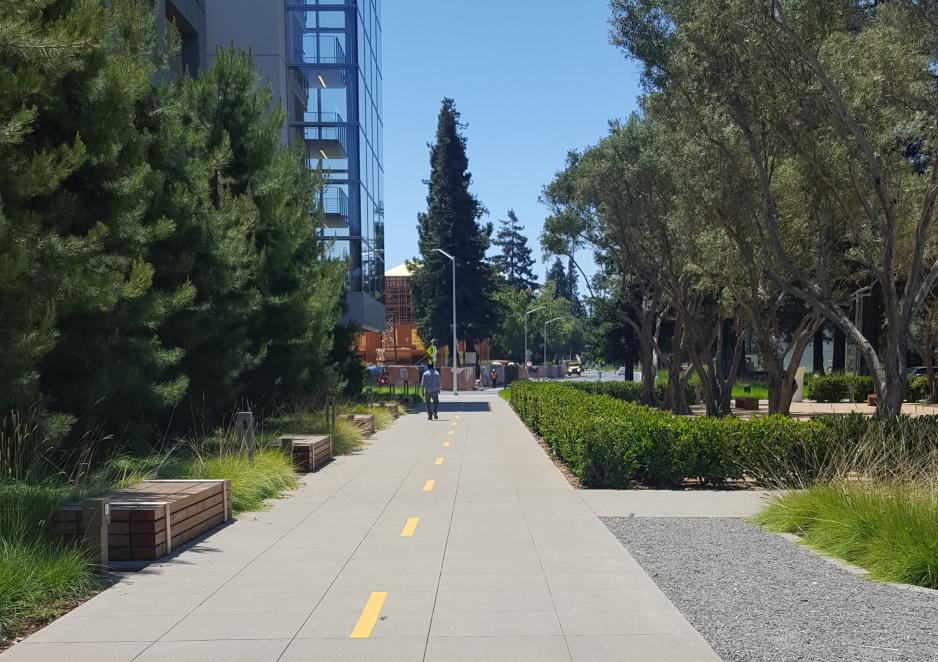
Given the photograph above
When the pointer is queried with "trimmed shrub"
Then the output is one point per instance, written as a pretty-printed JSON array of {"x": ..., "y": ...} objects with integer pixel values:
[
  {"x": 917, "y": 389},
  {"x": 625, "y": 391},
  {"x": 610, "y": 443},
  {"x": 837, "y": 388}
]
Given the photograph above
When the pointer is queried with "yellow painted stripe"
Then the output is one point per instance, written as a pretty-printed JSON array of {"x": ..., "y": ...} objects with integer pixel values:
[
  {"x": 410, "y": 527},
  {"x": 428, "y": 486},
  {"x": 445, "y": 444},
  {"x": 454, "y": 423},
  {"x": 439, "y": 460},
  {"x": 370, "y": 614},
  {"x": 451, "y": 432}
]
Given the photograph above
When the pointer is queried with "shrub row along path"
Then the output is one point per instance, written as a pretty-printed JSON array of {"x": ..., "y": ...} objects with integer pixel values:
[{"x": 451, "y": 540}]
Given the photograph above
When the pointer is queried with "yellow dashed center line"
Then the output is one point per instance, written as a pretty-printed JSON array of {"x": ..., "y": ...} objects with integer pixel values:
[
  {"x": 428, "y": 486},
  {"x": 410, "y": 527},
  {"x": 439, "y": 460},
  {"x": 445, "y": 444},
  {"x": 452, "y": 432},
  {"x": 370, "y": 614}
]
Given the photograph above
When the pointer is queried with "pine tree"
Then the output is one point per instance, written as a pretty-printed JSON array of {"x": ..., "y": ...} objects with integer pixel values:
[
  {"x": 558, "y": 276},
  {"x": 267, "y": 298},
  {"x": 573, "y": 290},
  {"x": 75, "y": 184},
  {"x": 515, "y": 262},
  {"x": 452, "y": 223}
]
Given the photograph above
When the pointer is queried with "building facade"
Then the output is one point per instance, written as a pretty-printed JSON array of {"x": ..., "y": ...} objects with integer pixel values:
[{"x": 322, "y": 59}]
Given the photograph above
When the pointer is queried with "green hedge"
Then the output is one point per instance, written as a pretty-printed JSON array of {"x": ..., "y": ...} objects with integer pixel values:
[
  {"x": 836, "y": 388},
  {"x": 610, "y": 443},
  {"x": 632, "y": 391}
]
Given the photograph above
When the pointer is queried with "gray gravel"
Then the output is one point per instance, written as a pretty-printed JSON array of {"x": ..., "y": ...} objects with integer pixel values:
[{"x": 755, "y": 596}]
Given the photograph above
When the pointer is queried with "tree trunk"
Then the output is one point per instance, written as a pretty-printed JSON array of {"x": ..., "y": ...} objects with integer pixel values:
[
  {"x": 928, "y": 354},
  {"x": 782, "y": 387},
  {"x": 817, "y": 363},
  {"x": 839, "y": 362},
  {"x": 646, "y": 343}
]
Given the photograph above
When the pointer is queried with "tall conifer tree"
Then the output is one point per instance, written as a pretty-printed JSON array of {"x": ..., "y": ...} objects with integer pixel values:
[
  {"x": 76, "y": 184},
  {"x": 514, "y": 262},
  {"x": 452, "y": 223}
]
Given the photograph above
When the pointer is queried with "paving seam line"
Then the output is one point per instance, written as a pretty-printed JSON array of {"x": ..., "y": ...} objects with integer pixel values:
[
  {"x": 449, "y": 530},
  {"x": 527, "y": 525},
  {"x": 358, "y": 546},
  {"x": 264, "y": 551}
]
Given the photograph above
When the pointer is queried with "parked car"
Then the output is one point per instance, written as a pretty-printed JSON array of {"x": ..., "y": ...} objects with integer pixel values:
[{"x": 917, "y": 371}]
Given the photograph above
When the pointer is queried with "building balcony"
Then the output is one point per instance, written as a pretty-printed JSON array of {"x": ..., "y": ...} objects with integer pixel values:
[
  {"x": 319, "y": 49},
  {"x": 333, "y": 202},
  {"x": 324, "y": 142}
]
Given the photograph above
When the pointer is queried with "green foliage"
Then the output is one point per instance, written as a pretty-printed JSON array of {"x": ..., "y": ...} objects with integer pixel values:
[
  {"x": 515, "y": 261},
  {"x": 346, "y": 438},
  {"x": 508, "y": 337},
  {"x": 451, "y": 223},
  {"x": 917, "y": 389},
  {"x": 837, "y": 388},
  {"x": 81, "y": 311},
  {"x": 889, "y": 529},
  {"x": 36, "y": 571},
  {"x": 158, "y": 256},
  {"x": 624, "y": 391},
  {"x": 252, "y": 483},
  {"x": 612, "y": 443}
]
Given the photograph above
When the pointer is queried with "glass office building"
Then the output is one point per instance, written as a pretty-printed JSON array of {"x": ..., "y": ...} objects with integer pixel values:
[{"x": 334, "y": 103}]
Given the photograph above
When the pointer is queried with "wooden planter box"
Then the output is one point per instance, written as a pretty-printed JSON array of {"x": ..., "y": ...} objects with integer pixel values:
[
  {"x": 364, "y": 422},
  {"x": 310, "y": 452},
  {"x": 747, "y": 403},
  {"x": 150, "y": 519}
]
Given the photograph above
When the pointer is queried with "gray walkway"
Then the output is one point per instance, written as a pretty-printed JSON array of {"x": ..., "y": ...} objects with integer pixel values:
[{"x": 506, "y": 562}]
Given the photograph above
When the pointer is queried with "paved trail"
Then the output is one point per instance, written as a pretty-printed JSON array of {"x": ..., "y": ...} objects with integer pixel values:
[{"x": 452, "y": 540}]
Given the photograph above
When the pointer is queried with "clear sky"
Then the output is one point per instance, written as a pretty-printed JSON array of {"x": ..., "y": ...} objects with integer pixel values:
[{"x": 532, "y": 78}]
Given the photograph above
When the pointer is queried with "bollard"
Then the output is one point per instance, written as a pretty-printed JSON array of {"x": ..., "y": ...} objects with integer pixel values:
[
  {"x": 331, "y": 412},
  {"x": 96, "y": 515},
  {"x": 244, "y": 423}
]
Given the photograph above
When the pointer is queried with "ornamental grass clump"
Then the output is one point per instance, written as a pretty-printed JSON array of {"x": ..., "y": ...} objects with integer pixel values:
[
  {"x": 890, "y": 529},
  {"x": 37, "y": 572}
]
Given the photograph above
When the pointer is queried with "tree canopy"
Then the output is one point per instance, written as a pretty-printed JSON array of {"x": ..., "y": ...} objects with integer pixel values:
[{"x": 452, "y": 223}]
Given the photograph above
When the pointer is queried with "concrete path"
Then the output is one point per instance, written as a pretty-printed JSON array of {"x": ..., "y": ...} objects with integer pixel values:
[
  {"x": 453, "y": 540},
  {"x": 676, "y": 503}
]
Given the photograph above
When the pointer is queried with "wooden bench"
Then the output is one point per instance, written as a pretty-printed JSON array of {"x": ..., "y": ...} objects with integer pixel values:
[
  {"x": 151, "y": 519},
  {"x": 310, "y": 452},
  {"x": 747, "y": 403},
  {"x": 364, "y": 422}
]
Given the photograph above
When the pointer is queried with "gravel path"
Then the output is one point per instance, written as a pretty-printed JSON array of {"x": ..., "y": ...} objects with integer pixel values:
[{"x": 756, "y": 597}]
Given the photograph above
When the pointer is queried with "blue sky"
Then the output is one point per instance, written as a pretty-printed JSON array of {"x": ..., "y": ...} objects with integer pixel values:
[{"x": 532, "y": 78}]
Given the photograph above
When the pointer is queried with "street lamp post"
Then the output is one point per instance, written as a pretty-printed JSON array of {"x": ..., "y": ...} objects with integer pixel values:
[
  {"x": 556, "y": 319},
  {"x": 455, "y": 352},
  {"x": 533, "y": 310}
]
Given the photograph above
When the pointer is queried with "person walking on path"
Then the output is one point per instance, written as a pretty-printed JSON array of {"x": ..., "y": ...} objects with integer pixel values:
[
  {"x": 431, "y": 392},
  {"x": 494, "y": 376}
]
